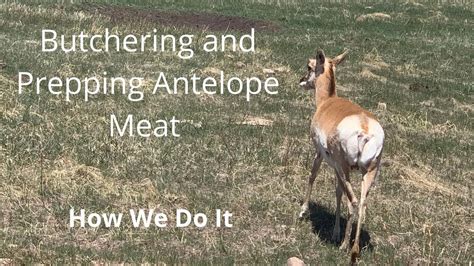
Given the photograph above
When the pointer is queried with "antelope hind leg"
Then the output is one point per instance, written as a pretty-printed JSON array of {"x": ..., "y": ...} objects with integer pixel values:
[{"x": 367, "y": 182}]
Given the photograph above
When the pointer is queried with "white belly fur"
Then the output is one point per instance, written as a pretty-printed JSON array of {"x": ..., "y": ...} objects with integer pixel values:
[{"x": 321, "y": 142}]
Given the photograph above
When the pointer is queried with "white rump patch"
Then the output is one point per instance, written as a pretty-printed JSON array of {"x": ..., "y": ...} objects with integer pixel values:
[
  {"x": 360, "y": 147},
  {"x": 374, "y": 145}
]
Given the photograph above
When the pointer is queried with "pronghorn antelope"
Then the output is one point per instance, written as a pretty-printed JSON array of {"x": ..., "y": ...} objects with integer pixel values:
[{"x": 348, "y": 137}]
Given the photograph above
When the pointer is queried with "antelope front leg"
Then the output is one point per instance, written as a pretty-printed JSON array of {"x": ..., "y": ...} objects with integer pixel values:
[
  {"x": 344, "y": 182},
  {"x": 314, "y": 172},
  {"x": 367, "y": 182},
  {"x": 348, "y": 232}
]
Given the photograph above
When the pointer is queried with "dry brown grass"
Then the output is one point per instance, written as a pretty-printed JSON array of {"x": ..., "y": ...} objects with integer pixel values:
[{"x": 252, "y": 158}]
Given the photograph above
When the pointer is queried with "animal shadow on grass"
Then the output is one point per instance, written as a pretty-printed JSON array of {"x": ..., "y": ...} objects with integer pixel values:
[{"x": 322, "y": 220}]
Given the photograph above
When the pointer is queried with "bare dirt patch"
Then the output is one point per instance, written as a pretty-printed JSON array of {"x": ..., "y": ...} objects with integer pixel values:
[
  {"x": 202, "y": 21},
  {"x": 366, "y": 73}
]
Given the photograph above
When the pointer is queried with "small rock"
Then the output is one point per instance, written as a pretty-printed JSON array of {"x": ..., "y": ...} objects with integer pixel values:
[
  {"x": 240, "y": 64},
  {"x": 382, "y": 106},
  {"x": 294, "y": 261}
]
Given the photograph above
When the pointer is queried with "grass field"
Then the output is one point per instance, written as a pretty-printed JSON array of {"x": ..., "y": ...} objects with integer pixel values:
[{"x": 57, "y": 155}]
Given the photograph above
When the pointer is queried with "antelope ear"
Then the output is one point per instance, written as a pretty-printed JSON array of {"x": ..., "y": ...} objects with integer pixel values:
[
  {"x": 320, "y": 57},
  {"x": 340, "y": 58}
]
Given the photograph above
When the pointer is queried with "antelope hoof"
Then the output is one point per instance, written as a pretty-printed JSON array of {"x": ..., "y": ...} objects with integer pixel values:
[
  {"x": 304, "y": 214},
  {"x": 355, "y": 252}
]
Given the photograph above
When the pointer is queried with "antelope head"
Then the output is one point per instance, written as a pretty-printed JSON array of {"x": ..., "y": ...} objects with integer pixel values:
[{"x": 320, "y": 66}]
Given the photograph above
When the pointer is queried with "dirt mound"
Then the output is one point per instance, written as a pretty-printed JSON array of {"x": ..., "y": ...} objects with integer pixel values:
[
  {"x": 366, "y": 73},
  {"x": 208, "y": 21}
]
